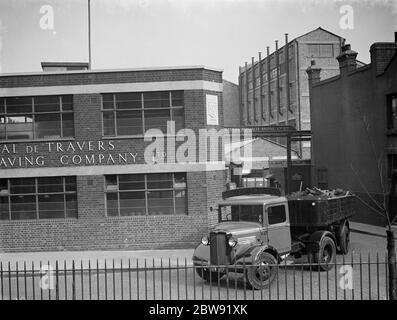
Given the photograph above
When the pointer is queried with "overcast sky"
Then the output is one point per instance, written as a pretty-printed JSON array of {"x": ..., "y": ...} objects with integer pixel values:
[{"x": 152, "y": 33}]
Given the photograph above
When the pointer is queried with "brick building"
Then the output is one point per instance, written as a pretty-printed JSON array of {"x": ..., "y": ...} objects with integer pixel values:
[
  {"x": 345, "y": 154},
  {"x": 231, "y": 118},
  {"x": 267, "y": 98},
  {"x": 72, "y": 170}
]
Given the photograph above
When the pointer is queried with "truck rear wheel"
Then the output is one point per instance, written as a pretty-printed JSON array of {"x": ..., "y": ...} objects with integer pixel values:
[
  {"x": 261, "y": 274},
  {"x": 209, "y": 276},
  {"x": 326, "y": 255},
  {"x": 344, "y": 239}
]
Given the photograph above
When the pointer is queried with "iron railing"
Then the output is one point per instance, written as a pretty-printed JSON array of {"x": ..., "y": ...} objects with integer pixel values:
[{"x": 351, "y": 278}]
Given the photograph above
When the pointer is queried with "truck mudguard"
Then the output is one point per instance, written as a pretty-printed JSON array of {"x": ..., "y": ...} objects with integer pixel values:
[
  {"x": 313, "y": 244},
  {"x": 256, "y": 251},
  {"x": 340, "y": 227}
]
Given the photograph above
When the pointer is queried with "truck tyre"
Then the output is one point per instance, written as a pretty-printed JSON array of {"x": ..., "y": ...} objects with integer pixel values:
[
  {"x": 326, "y": 255},
  {"x": 209, "y": 276},
  {"x": 344, "y": 239},
  {"x": 261, "y": 274}
]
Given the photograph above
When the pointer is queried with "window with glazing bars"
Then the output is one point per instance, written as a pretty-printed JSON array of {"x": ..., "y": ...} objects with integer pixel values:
[
  {"x": 146, "y": 194},
  {"x": 38, "y": 198},
  {"x": 392, "y": 111},
  {"x": 38, "y": 117},
  {"x": 133, "y": 113}
]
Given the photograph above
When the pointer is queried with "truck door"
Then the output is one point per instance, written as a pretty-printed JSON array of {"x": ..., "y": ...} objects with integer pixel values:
[{"x": 278, "y": 228}]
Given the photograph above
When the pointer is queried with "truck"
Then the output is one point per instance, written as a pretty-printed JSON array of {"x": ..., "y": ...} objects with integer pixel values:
[{"x": 258, "y": 229}]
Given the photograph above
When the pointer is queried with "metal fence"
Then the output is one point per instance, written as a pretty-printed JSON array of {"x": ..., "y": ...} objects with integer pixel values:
[{"x": 351, "y": 278}]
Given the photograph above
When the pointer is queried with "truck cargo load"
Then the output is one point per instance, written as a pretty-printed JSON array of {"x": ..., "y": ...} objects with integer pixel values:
[{"x": 319, "y": 211}]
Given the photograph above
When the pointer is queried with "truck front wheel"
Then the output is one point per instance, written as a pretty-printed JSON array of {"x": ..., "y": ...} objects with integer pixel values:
[
  {"x": 326, "y": 255},
  {"x": 261, "y": 274}
]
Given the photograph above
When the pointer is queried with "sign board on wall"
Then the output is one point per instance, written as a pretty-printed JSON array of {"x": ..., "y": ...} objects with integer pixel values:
[
  {"x": 212, "y": 109},
  {"x": 63, "y": 153}
]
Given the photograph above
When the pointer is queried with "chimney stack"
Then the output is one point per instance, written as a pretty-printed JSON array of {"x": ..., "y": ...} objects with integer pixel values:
[
  {"x": 382, "y": 53},
  {"x": 313, "y": 73},
  {"x": 347, "y": 59}
]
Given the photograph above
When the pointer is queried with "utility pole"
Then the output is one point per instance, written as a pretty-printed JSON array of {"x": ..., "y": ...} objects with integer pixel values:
[{"x": 89, "y": 34}]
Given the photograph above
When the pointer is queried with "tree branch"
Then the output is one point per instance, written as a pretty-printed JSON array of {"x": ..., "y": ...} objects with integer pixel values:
[
  {"x": 369, "y": 206},
  {"x": 365, "y": 189}
]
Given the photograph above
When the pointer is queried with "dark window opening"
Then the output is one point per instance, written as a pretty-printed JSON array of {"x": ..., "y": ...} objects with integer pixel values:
[
  {"x": 146, "y": 194},
  {"x": 38, "y": 198}
]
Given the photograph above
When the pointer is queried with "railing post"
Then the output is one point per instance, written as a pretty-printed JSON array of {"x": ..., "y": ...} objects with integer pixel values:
[
  {"x": 186, "y": 294},
  {"x": 121, "y": 279},
  {"x": 106, "y": 282},
  {"x": 33, "y": 285},
  {"x": 89, "y": 278},
  {"x": 154, "y": 281},
  {"x": 41, "y": 288},
  {"x": 129, "y": 277},
  {"x": 56, "y": 281},
  {"x": 97, "y": 279},
  {"x": 25, "y": 281},
  {"x": 17, "y": 278},
  {"x": 82, "y": 279},
  {"x": 114, "y": 282},
  {"x": 73, "y": 281},
  {"x": 1, "y": 280},
  {"x": 65, "y": 279}
]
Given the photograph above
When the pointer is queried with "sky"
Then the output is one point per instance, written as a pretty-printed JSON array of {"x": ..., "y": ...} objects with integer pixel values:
[{"x": 157, "y": 33}]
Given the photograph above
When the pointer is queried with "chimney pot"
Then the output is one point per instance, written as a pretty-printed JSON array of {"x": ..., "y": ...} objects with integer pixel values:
[{"x": 346, "y": 47}]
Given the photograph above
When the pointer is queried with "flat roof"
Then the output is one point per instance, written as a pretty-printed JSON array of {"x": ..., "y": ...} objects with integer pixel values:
[
  {"x": 252, "y": 199},
  {"x": 111, "y": 70},
  {"x": 64, "y": 64}
]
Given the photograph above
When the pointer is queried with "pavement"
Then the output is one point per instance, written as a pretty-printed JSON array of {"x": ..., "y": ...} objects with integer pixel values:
[
  {"x": 370, "y": 229},
  {"x": 137, "y": 258}
]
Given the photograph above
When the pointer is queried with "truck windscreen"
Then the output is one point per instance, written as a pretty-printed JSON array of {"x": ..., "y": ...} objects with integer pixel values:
[{"x": 250, "y": 213}]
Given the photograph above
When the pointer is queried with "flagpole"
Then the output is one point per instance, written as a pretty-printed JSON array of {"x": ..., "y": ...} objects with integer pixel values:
[{"x": 89, "y": 34}]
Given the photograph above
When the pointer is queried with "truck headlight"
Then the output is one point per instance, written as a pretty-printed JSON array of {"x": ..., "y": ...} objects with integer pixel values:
[
  {"x": 232, "y": 242},
  {"x": 205, "y": 241}
]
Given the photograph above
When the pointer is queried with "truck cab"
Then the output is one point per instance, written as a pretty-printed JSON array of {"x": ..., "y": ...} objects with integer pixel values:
[
  {"x": 270, "y": 213},
  {"x": 254, "y": 229}
]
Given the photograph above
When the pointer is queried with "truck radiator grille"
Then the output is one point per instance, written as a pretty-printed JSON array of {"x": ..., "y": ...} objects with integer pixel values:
[{"x": 218, "y": 250}]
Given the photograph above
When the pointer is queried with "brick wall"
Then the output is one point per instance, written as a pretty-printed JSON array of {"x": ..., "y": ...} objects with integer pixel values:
[
  {"x": 231, "y": 104},
  {"x": 92, "y": 77},
  {"x": 93, "y": 229},
  {"x": 341, "y": 144}
]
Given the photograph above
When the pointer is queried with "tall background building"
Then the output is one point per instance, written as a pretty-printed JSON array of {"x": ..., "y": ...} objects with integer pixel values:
[{"x": 267, "y": 98}]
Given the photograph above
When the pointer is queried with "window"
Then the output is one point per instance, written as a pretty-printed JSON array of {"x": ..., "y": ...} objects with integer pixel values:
[
  {"x": 276, "y": 214},
  {"x": 314, "y": 50},
  {"x": 38, "y": 198},
  {"x": 322, "y": 178},
  {"x": 132, "y": 113},
  {"x": 321, "y": 50},
  {"x": 251, "y": 213},
  {"x": 326, "y": 50},
  {"x": 146, "y": 194},
  {"x": 263, "y": 111},
  {"x": 38, "y": 117},
  {"x": 392, "y": 111},
  {"x": 274, "y": 73}
]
